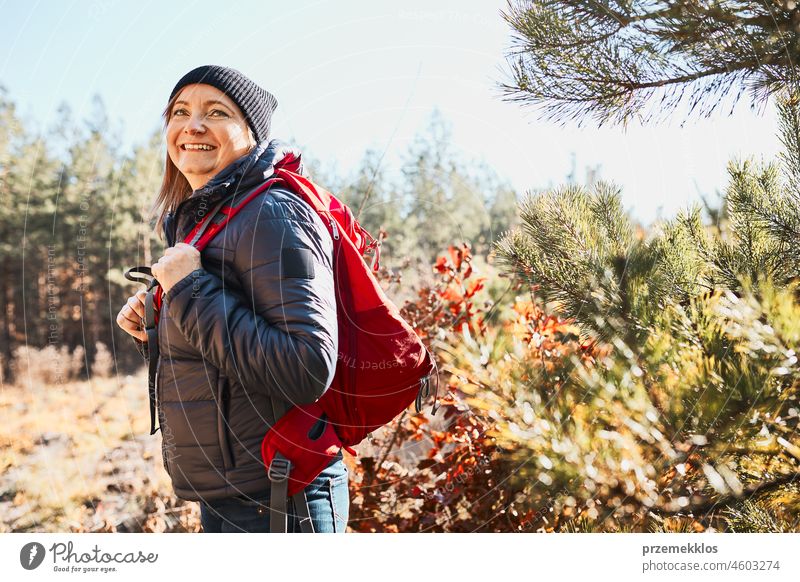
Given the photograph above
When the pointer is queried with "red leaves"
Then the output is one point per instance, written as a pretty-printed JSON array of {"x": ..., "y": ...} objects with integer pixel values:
[
  {"x": 456, "y": 288},
  {"x": 550, "y": 336},
  {"x": 453, "y": 263},
  {"x": 453, "y": 462},
  {"x": 448, "y": 304},
  {"x": 453, "y": 295},
  {"x": 474, "y": 286},
  {"x": 457, "y": 255}
]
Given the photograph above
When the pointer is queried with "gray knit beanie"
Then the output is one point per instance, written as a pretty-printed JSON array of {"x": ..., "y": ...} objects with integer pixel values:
[{"x": 256, "y": 103}]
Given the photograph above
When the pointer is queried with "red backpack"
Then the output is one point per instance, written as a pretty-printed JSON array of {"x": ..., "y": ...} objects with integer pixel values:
[{"x": 382, "y": 366}]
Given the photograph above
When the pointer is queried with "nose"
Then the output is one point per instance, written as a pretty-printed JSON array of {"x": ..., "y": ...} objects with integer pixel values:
[{"x": 194, "y": 125}]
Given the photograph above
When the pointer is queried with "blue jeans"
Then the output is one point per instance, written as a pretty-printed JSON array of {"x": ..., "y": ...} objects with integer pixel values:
[{"x": 328, "y": 505}]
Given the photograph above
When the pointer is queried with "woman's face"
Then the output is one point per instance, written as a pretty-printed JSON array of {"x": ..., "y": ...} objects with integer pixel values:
[{"x": 206, "y": 131}]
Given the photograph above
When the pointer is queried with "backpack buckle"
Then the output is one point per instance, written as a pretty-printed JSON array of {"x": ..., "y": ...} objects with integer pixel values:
[{"x": 279, "y": 469}]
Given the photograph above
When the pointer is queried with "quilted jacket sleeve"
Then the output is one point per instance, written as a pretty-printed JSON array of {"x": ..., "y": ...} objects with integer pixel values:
[{"x": 280, "y": 334}]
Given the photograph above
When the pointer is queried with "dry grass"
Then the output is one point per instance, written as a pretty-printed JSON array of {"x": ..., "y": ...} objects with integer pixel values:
[{"x": 76, "y": 456}]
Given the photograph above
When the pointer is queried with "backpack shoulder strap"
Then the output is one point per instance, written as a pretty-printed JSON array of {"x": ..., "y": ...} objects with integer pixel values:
[{"x": 318, "y": 199}]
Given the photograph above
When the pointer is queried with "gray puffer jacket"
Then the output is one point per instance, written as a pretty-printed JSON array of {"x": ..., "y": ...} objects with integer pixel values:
[{"x": 241, "y": 339}]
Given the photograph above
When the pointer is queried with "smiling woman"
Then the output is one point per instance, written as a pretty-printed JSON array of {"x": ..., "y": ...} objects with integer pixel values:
[
  {"x": 204, "y": 108},
  {"x": 247, "y": 327}
]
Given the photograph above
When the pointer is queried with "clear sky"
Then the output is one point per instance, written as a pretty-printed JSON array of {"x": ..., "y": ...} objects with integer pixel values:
[{"x": 355, "y": 74}]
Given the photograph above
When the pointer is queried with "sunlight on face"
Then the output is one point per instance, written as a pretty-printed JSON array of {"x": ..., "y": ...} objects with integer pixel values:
[{"x": 206, "y": 131}]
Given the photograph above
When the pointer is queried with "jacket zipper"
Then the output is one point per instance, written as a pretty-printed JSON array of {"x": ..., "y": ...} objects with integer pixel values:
[{"x": 223, "y": 425}]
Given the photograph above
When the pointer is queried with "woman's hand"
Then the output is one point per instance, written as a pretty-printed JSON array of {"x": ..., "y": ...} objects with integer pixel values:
[
  {"x": 177, "y": 262},
  {"x": 130, "y": 317}
]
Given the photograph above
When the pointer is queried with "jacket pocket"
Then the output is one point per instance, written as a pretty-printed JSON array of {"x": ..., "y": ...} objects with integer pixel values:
[{"x": 223, "y": 430}]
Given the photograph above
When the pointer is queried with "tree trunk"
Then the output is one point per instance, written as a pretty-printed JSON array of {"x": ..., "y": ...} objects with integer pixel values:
[{"x": 8, "y": 322}]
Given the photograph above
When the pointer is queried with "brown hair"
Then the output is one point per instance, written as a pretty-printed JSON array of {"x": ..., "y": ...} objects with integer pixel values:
[{"x": 174, "y": 187}]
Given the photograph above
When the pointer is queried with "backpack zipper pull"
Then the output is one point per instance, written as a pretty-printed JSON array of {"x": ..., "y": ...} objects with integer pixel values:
[{"x": 334, "y": 228}]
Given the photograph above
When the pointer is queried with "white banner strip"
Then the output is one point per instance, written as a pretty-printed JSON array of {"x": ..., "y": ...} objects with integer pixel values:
[{"x": 408, "y": 557}]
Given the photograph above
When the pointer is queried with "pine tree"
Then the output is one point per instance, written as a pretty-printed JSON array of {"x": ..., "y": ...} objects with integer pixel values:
[
  {"x": 447, "y": 199},
  {"x": 701, "y": 322},
  {"x": 10, "y": 130},
  {"x": 376, "y": 204},
  {"x": 426, "y": 172},
  {"x": 502, "y": 213}
]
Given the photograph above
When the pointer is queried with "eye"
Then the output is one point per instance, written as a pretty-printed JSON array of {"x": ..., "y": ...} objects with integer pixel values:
[
  {"x": 220, "y": 111},
  {"x": 177, "y": 111}
]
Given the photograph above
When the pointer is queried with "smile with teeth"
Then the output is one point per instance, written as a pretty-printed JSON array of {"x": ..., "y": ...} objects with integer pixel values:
[{"x": 197, "y": 146}]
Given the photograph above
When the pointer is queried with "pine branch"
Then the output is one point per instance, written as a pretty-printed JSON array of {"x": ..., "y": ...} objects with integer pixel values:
[
  {"x": 703, "y": 508},
  {"x": 789, "y": 123},
  {"x": 609, "y": 59}
]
